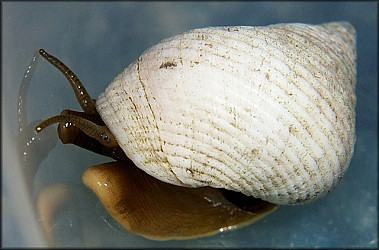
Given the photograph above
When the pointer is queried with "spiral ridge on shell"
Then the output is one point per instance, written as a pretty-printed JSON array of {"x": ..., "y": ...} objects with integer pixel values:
[{"x": 268, "y": 111}]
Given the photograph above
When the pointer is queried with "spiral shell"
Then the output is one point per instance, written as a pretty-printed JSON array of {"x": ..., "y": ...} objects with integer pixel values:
[{"x": 267, "y": 111}]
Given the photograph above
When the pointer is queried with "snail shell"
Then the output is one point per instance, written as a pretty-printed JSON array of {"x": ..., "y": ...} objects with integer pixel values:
[{"x": 267, "y": 111}]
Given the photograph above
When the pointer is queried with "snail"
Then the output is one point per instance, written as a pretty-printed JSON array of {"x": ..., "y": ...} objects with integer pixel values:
[
  {"x": 139, "y": 202},
  {"x": 266, "y": 111}
]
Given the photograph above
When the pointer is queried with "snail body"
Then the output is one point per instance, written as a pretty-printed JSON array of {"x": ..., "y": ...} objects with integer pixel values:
[{"x": 266, "y": 111}]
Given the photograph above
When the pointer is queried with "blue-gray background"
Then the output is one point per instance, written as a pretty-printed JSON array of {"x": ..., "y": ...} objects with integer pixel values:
[{"x": 97, "y": 41}]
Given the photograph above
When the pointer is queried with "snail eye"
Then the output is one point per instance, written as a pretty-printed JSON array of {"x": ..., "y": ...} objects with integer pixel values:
[
  {"x": 105, "y": 137},
  {"x": 108, "y": 140}
]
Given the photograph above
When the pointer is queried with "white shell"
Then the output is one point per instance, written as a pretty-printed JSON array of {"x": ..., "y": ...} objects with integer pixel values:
[{"x": 266, "y": 111}]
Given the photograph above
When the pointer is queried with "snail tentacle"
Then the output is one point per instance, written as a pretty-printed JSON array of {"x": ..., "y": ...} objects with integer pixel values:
[
  {"x": 100, "y": 133},
  {"x": 91, "y": 117},
  {"x": 84, "y": 99},
  {"x": 70, "y": 134}
]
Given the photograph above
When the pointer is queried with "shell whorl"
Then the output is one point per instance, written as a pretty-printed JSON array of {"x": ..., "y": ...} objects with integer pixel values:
[{"x": 268, "y": 111}]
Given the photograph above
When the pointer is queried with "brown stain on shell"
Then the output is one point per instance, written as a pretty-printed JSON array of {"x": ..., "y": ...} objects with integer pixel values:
[{"x": 168, "y": 64}]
